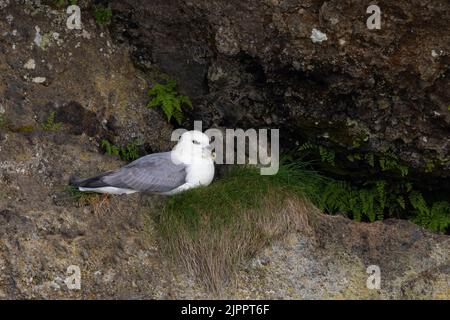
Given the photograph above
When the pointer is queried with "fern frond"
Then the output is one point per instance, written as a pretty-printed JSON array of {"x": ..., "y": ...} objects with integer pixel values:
[
  {"x": 401, "y": 202},
  {"x": 170, "y": 102},
  {"x": 419, "y": 204}
]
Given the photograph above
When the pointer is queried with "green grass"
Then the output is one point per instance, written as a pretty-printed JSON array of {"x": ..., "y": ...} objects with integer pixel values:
[
  {"x": 76, "y": 193},
  {"x": 244, "y": 188},
  {"x": 212, "y": 230}
]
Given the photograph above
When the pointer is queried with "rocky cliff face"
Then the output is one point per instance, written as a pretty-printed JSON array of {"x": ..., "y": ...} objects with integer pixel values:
[
  {"x": 247, "y": 64},
  {"x": 262, "y": 63}
]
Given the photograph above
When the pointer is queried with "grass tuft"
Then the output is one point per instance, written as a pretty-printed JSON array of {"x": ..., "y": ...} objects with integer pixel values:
[{"x": 211, "y": 231}]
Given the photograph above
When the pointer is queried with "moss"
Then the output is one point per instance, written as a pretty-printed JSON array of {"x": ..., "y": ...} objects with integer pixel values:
[
  {"x": 102, "y": 15},
  {"x": 24, "y": 129}
]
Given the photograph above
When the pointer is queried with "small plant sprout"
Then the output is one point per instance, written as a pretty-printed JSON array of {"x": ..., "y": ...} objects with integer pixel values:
[
  {"x": 50, "y": 124},
  {"x": 128, "y": 152}
]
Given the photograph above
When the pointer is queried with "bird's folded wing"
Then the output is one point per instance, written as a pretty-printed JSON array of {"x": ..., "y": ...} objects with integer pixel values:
[{"x": 152, "y": 173}]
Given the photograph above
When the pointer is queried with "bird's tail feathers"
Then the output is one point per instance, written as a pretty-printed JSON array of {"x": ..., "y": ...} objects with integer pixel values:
[
  {"x": 74, "y": 181},
  {"x": 94, "y": 182}
]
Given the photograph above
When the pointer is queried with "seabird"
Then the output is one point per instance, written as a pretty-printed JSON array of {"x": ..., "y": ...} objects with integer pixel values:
[{"x": 189, "y": 165}]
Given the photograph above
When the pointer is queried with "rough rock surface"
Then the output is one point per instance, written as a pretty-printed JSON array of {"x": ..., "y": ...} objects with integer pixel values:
[
  {"x": 258, "y": 63},
  {"x": 91, "y": 84},
  {"x": 413, "y": 264}
]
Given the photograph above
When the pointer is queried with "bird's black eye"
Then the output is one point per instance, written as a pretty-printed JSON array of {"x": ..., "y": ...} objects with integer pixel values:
[{"x": 195, "y": 142}]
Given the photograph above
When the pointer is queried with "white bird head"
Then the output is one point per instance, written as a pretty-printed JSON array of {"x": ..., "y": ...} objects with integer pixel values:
[{"x": 192, "y": 146}]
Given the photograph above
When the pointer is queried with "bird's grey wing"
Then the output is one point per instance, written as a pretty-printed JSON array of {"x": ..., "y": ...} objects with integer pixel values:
[{"x": 152, "y": 173}]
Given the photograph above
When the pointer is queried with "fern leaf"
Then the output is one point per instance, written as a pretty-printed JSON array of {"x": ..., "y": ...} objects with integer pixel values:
[
  {"x": 178, "y": 115},
  {"x": 401, "y": 202},
  {"x": 186, "y": 101},
  {"x": 167, "y": 107}
]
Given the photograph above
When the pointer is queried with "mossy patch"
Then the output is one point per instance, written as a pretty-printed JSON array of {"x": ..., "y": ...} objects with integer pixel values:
[
  {"x": 28, "y": 128},
  {"x": 102, "y": 15}
]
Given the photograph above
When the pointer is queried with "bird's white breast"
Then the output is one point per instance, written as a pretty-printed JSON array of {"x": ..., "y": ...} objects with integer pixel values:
[{"x": 200, "y": 173}]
